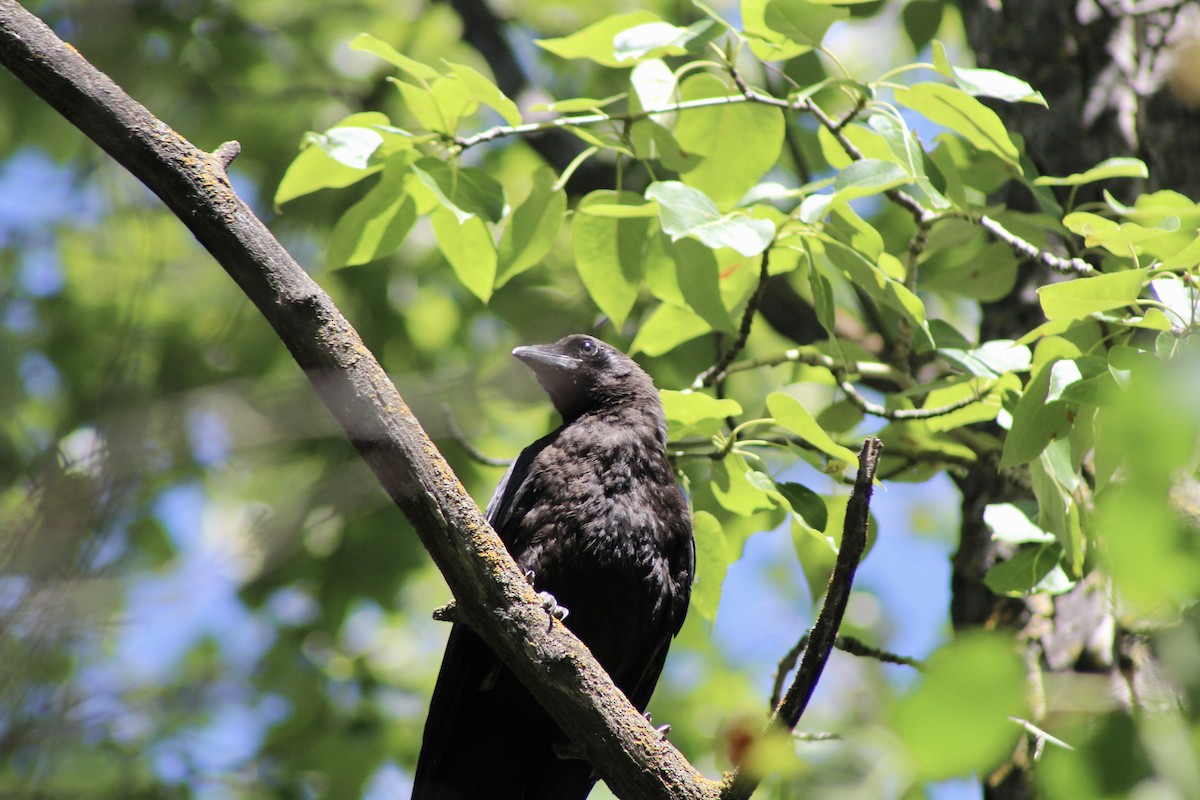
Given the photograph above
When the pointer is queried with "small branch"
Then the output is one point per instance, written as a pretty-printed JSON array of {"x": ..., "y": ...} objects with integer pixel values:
[
  {"x": 813, "y": 357},
  {"x": 857, "y": 647},
  {"x": 901, "y": 414},
  {"x": 447, "y": 613},
  {"x": 847, "y": 644},
  {"x": 717, "y": 372},
  {"x": 461, "y": 143},
  {"x": 227, "y": 152},
  {"x": 741, "y": 784},
  {"x": 460, "y": 438},
  {"x": 1067, "y": 266}
]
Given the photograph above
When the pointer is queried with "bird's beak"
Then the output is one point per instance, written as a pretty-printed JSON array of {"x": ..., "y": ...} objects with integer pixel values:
[{"x": 540, "y": 357}]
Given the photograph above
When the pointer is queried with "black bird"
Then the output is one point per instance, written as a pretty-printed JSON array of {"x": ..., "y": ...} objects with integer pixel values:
[{"x": 593, "y": 514}]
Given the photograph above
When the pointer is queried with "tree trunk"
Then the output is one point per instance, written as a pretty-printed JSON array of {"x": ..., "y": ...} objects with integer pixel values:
[{"x": 1121, "y": 79}]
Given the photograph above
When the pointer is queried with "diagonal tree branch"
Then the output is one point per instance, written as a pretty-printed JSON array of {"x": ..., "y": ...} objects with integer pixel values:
[{"x": 492, "y": 595}]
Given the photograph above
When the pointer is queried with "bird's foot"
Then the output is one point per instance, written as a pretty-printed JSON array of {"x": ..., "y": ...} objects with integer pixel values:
[
  {"x": 663, "y": 730},
  {"x": 552, "y": 607},
  {"x": 568, "y": 751}
]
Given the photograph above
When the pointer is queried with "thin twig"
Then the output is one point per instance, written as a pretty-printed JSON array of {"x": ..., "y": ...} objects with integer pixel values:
[
  {"x": 742, "y": 783},
  {"x": 717, "y": 371},
  {"x": 460, "y": 438},
  {"x": 813, "y": 357},
  {"x": 227, "y": 152},
  {"x": 1067, "y": 266},
  {"x": 901, "y": 414},
  {"x": 847, "y": 644}
]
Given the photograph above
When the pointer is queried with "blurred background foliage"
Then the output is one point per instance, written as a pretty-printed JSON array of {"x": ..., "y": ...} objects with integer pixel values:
[{"x": 203, "y": 593}]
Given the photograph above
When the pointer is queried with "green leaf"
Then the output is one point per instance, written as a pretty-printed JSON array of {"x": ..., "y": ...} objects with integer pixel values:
[
  {"x": 1055, "y": 481},
  {"x": 350, "y": 146},
  {"x": 667, "y": 327},
  {"x": 985, "y": 410},
  {"x": 991, "y": 359},
  {"x": 732, "y": 488},
  {"x": 1009, "y": 524},
  {"x": 807, "y": 503},
  {"x": 985, "y": 82},
  {"x": 486, "y": 92},
  {"x": 696, "y": 414},
  {"x": 466, "y": 191},
  {"x": 698, "y": 276},
  {"x": 956, "y": 720},
  {"x": 596, "y": 42},
  {"x": 610, "y": 253},
  {"x": 651, "y": 39},
  {"x": 817, "y": 553},
  {"x": 953, "y": 108},
  {"x": 369, "y": 44},
  {"x": 468, "y": 246},
  {"x": 867, "y": 177},
  {"x": 801, "y": 22},
  {"x": 791, "y": 414},
  {"x": 1035, "y": 423},
  {"x": 875, "y": 282},
  {"x": 738, "y": 142},
  {"x": 1032, "y": 568},
  {"x": 1124, "y": 239},
  {"x": 374, "y": 226},
  {"x": 533, "y": 227},
  {"x": 713, "y": 555},
  {"x": 316, "y": 168},
  {"x": 922, "y": 19},
  {"x": 684, "y": 211},
  {"x": 1105, "y": 170},
  {"x": 1082, "y": 297}
]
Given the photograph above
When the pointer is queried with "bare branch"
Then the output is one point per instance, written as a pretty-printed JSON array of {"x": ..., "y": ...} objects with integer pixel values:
[
  {"x": 876, "y": 410},
  {"x": 460, "y": 438},
  {"x": 716, "y": 372},
  {"x": 227, "y": 152},
  {"x": 814, "y": 357},
  {"x": 1067, "y": 266},
  {"x": 847, "y": 644},
  {"x": 741, "y": 784},
  {"x": 492, "y": 596}
]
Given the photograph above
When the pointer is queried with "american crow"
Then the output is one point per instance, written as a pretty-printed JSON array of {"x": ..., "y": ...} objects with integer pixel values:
[{"x": 592, "y": 512}]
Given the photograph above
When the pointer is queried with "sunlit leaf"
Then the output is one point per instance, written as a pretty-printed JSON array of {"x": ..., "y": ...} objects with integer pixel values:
[
  {"x": 532, "y": 228},
  {"x": 369, "y": 44},
  {"x": 469, "y": 248},
  {"x": 684, "y": 211},
  {"x": 985, "y": 82},
  {"x": 596, "y": 42},
  {"x": 374, "y": 226},
  {"x": 486, "y": 92},
  {"x": 610, "y": 253},
  {"x": 696, "y": 413},
  {"x": 960, "y": 112},
  {"x": 465, "y": 191},
  {"x": 713, "y": 555},
  {"x": 738, "y": 142},
  {"x": 732, "y": 488},
  {"x": 790, "y": 413},
  {"x": 1120, "y": 167},
  {"x": 1084, "y": 296}
]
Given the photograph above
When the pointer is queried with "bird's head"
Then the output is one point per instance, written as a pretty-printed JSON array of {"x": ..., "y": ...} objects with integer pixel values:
[{"x": 583, "y": 374}]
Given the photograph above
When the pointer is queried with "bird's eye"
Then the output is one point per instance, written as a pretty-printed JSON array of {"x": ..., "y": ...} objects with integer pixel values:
[{"x": 588, "y": 347}]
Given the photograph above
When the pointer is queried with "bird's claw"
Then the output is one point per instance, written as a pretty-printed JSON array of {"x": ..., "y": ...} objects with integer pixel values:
[
  {"x": 553, "y": 608},
  {"x": 663, "y": 730}
]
